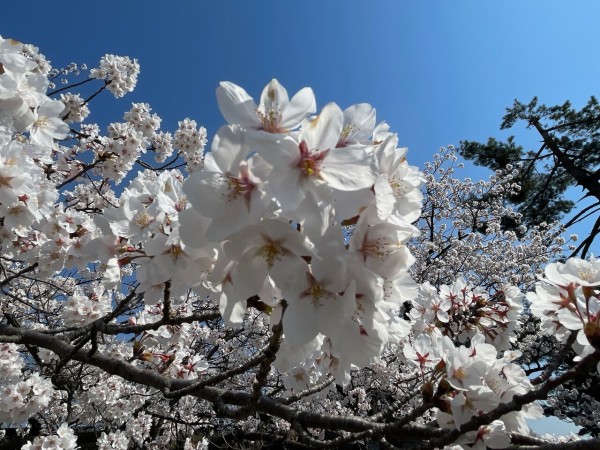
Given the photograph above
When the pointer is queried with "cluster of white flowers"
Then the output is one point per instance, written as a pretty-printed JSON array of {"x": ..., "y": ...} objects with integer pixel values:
[
  {"x": 76, "y": 109},
  {"x": 64, "y": 439},
  {"x": 116, "y": 440},
  {"x": 119, "y": 72},
  {"x": 139, "y": 116},
  {"x": 462, "y": 310},
  {"x": 162, "y": 144},
  {"x": 276, "y": 164},
  {"x": 202, "y": 444},
  {"x": 476, "y": 380},
  {"x": 191, "y": 140},
  {"x": 469, "y": 229},
  {"x": 20, "y": 398},
  {"x": 116, "y": 401},
  {"x": 29, "y": 123},
  {"x": 62, "y": 240},
  {"x": 81, "y": 309},
  {"x": 567, "y": 299}
]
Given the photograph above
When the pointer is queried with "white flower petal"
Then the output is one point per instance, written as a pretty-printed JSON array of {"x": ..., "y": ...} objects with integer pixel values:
[
  {"x": 302, "y": 105},
  {"x": 236, "y": 105}
]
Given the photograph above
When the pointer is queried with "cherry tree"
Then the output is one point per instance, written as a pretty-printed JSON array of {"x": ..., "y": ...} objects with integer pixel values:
[{"x": 297, "y": 284}]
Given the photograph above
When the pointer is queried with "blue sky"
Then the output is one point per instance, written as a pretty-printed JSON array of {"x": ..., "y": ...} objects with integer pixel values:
[{"x": 437, "y": 71}]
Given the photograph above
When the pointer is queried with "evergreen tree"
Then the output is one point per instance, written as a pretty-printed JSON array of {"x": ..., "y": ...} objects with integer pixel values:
[{"x": 569, "y": 155}]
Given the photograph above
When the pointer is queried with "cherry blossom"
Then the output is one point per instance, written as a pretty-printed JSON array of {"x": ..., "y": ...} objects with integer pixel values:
[
  {"x": 119, "y": 72},
  {"x": 276, "y": 112}
]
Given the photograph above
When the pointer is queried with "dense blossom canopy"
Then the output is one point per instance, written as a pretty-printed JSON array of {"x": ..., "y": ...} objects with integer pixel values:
[{"x": 291, "y": 286}]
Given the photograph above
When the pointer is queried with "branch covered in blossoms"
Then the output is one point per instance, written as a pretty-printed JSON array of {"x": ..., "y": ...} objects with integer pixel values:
[{"x": 291, "y": 286}]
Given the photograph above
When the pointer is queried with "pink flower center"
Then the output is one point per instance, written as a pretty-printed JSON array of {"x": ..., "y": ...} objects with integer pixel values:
[
  {"x": 241, "y": 186},
  {"x": 310, "y": 162}
]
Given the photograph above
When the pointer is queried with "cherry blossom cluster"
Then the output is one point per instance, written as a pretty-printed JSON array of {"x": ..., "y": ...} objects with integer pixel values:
[
  {"x": 461, "y": 311},
  {"x": 469, "y": 229},
  {"x": 22, "y": 397},
  {"x": 64, "y": 439},
  {"x": 473, "y": 380},
  {"x": 26, "y": 112},
  {"x": 191, "y": 140},
  {"x": 276, "y": 189},
  {"x": 567, "y": 300},
  {"x": 118, "y": 72},
  {"x": 236, "y": 240},
  {"x": 76, "y": 109}
]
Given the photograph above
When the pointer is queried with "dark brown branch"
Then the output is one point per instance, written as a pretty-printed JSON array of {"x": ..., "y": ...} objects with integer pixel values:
[
  {"x": 167, "y": 301},
  {"x": 269, "y": 356},
  {"x": 582, "y": 176},
  {"x": 586, "y": 121},
  {"x": 135, "y": 329},
  {"x": 252, "y": 362},
  {"x": 84, "y": 169},
  {"x": 153, "y": 379},
  {"x": 33, "y": 351},
  {"x": 587, "y": 242},
  {"x": 18, "y": 274},
  {"x": 70, "y": 86},
  {"x": 556, "y": 361},
  {"x": 225, "y": 399},
  {"x": 312, "y": 390},
  {"x": 395, "y": 406}
]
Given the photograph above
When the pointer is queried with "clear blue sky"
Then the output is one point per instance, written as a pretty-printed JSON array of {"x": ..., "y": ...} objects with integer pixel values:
[{"x": 437, "y": 71}]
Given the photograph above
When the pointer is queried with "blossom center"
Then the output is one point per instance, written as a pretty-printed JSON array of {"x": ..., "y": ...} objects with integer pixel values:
[
  {"x": 310, "y": 162},
  {"x": 42, "y": 122},
  {"x": 346, "y": 131},
  {"x": 142, "y": 219},
  {"x": 270, "y": 120},
  {"x": 175, "y": 252},
  {"x": 239, "y": 187},
  {"x": 587, "y": 274},
  {"x": 181, "y": 204},
  {"x": 272, "y": 252},
  {"x": 398, "y": 187},
  {"x": 316, "y": 291},
  {"x": 460, "y": 374},
  {"x": 5, "y": 181}
]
